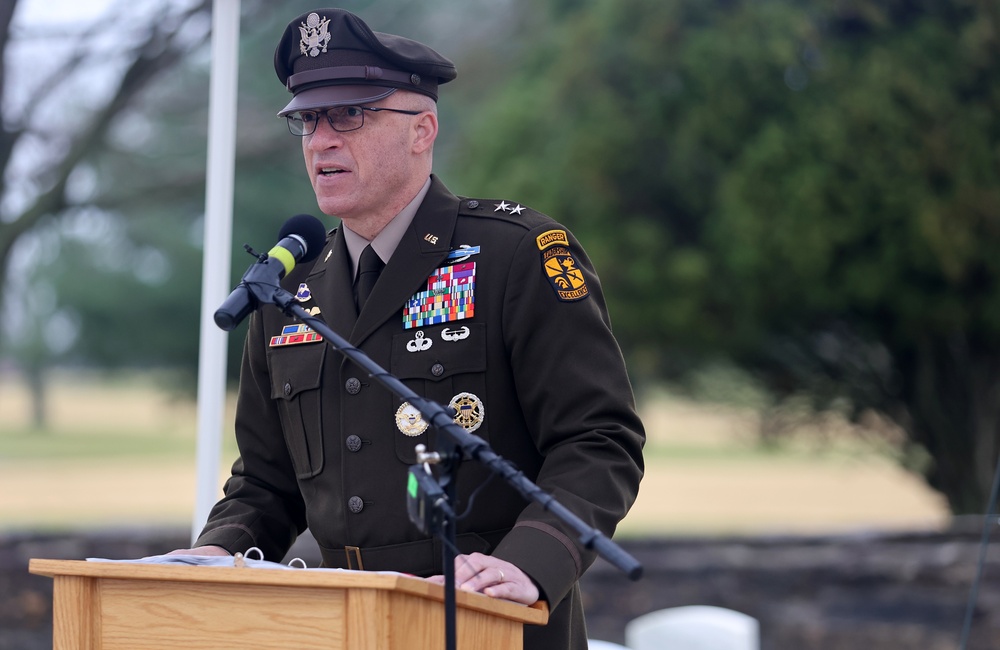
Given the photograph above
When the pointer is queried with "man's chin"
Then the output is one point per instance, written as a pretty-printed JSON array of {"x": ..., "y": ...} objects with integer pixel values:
[{"x": 332, "y": 208}]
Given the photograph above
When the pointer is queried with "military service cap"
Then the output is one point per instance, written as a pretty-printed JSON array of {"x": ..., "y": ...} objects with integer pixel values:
[{"x": 330, "y": 57}]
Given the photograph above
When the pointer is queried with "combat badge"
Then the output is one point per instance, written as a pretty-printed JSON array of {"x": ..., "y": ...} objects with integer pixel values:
[
  {"x": 470, "y": 411},
  {"x": 560, "y": 268},
  {"x": 462, "y": 253},
  {"x": 409, "y": 421}
]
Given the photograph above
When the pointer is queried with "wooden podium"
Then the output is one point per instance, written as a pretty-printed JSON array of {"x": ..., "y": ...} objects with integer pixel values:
[{"x": 126, "y": 606}]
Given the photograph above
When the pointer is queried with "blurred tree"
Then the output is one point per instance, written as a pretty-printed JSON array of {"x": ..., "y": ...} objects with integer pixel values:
[
  {"x": 811, "y": 190},
  {"x": 63, "y": 87},
  {"x": 149, "y": 175},
  {"x": 108, "y": 269}
]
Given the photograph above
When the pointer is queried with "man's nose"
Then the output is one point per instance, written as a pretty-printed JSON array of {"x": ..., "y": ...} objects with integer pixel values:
[{"x": 324, "y": 137}]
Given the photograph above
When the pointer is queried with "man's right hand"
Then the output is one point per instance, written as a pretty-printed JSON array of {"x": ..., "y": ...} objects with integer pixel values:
[{"x": 200, "y": 550}]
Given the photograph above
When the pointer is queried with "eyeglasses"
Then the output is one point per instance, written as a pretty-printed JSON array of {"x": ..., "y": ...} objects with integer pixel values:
[{"x": 341, "y": 118}]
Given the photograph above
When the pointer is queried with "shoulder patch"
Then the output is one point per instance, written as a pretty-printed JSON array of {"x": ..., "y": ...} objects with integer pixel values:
[
  {"x": 551, "y": 238},
  {"x": 561, "y": 270}
]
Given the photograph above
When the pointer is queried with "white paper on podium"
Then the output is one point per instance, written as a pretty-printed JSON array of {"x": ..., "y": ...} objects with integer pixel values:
[
  {"x": 199, "y": 560},
  {"x": 229, "y": 561}
]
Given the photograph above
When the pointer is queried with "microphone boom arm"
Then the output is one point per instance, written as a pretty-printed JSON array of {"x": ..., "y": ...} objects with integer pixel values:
[{"x": 437, "y": 416}]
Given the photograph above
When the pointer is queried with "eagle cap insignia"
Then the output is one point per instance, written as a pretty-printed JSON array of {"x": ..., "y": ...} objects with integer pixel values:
[{"x": 315, "y": 35}]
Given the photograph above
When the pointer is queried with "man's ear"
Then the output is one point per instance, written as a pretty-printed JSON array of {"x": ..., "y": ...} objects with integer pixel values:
[{"x": 425, "y": 130}]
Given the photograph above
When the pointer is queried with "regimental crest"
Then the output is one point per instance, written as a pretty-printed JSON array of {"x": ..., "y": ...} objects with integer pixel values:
[
  {"x": 564, "y": 275},
  {"x": 315, "y": 35}
]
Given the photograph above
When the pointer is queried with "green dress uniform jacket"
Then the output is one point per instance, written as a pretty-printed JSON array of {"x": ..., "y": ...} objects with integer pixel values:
[{"x": 319, "y": 442}]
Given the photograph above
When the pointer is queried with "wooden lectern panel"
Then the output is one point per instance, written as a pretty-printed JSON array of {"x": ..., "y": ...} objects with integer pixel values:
[
  {"x": 123, "y": 606},
  {"x": 212, "y": 617},
  {"x": 73, "y": 620}
]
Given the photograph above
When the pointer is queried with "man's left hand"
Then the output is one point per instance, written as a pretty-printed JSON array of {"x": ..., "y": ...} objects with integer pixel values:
[{"x": 492, "y": 576}]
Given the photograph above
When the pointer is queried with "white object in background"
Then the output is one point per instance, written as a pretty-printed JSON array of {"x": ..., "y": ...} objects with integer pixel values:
[
  {"x": 697, "y": 627},
  {"x": 594, "y": 644},
  {"x": 215, "y": 285}
]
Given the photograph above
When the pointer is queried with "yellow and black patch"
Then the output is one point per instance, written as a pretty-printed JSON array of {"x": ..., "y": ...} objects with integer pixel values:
[
  {"x": 566, "y": 277},
  {"x": 551, "y": 238}
]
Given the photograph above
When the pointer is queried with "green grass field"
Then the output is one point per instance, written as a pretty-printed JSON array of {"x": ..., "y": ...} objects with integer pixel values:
[{"x": 122, "y": 453}]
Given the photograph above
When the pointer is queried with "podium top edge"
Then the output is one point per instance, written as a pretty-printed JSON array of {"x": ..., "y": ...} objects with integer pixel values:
[{"x": 536, "y": 614}]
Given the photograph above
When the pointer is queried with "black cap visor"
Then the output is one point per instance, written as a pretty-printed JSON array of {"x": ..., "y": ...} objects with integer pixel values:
[{"x": 329, "y": 96}]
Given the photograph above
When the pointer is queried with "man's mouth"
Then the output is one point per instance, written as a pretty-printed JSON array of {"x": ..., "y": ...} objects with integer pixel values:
[{"x": 330, "y": 171}]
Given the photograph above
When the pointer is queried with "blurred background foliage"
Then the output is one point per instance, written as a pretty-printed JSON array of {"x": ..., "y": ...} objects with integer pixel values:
[{"x": 801, "y": 196}]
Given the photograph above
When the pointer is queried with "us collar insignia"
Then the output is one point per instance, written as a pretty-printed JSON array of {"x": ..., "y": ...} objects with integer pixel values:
[
  {"x": 409, "y": 421},
  {"x": 294, "y": 335},
  {"x": 450, "y": 296},
  {"x": 315, "y": 35},
  {"x": 560, "y": 268},
  {"x": 303, "y": 294},
  {"x": 470, "y": 411}
]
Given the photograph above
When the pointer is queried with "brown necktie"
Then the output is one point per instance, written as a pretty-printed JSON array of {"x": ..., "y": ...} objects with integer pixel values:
[{"x": 369, "y": 267}]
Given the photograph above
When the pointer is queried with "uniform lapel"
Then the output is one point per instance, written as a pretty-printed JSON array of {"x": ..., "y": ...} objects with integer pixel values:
[
  {"x": 330, "y": 284},
  {"x": 423, "y": 248}
]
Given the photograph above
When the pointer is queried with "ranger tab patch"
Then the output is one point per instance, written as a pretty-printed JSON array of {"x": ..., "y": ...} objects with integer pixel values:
[
  {"x": 551, "y": 238},
  {"x": 563, "y": 273}
]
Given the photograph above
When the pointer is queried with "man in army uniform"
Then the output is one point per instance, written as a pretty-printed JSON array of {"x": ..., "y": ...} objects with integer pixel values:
[{"x": 484, "y": 305}]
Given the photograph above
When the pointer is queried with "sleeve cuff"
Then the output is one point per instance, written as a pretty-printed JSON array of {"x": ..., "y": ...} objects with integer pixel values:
[{"x": 546, "y": 555}]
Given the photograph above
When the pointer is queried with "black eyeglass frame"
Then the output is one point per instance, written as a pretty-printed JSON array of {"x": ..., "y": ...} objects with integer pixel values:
[{"x": 289, "y": 120}]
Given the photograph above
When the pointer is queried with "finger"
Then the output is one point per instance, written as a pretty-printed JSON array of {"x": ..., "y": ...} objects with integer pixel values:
[
  {"x": 201, "y": 550},
  {"x": 513, "y": 591},
  {"x": 468, "y": 567},
  {"x": 490, "y": 575},
  {"x": 438, "y": 580}
]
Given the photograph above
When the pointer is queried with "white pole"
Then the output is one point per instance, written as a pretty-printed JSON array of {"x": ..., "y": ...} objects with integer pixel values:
[{"x": 216, "y": 256}]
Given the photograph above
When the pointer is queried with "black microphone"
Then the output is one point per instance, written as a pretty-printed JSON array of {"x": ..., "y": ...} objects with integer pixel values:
[{"x": 301, "y": 239}]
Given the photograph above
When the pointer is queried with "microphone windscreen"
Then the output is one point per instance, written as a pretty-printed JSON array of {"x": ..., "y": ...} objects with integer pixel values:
[{"x": 310, "y": 229}]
